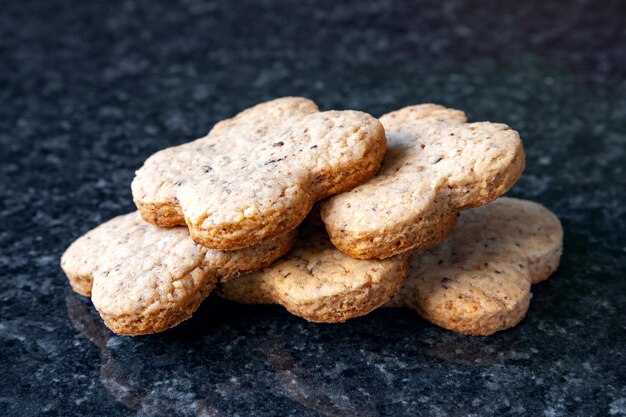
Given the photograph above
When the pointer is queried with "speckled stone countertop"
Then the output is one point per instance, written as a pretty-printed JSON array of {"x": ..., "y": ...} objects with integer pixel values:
[{"x": 89, "y": 89}]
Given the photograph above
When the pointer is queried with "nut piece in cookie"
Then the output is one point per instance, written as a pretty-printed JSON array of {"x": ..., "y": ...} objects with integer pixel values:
[
  {"x": 477, "y": 281},
  {"x": 257, "y": 175},
  {"x": 145, "y": 279},
  {"x": 320, "y": 284},
  {"x": 436, "y": 165}
]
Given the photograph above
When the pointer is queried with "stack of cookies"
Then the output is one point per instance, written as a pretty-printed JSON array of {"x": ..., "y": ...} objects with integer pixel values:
[{"x": 409, "y": 215}]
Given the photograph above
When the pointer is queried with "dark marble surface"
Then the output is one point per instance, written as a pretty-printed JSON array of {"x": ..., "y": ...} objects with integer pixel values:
[{"x": 89, "y": 89}]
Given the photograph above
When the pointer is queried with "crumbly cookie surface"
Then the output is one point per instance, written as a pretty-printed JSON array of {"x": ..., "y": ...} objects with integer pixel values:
[
  {"x": 477, "y": 281},
  {"x": 319, "y": 283},
  {"x": 436, "y": 165},
  {"x": 144, "y": 279},
  {"x": 257, "y": 175}
]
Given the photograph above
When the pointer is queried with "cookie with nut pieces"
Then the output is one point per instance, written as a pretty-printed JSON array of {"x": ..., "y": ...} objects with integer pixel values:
[
  {"x": 477, "y": 281},
  {"x": 437, "y": 164},
  {"x": 256, "y": 176},
  {"x": 317, "y": 282},
  {"x": 145, "y": 279}
]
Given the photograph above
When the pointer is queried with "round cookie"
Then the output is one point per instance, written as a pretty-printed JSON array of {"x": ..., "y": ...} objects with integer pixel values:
[
  {"x": 436, "y": 165},
  {"x": 255, "y": 177},
  {"x": 477, "y": 281},
  {"x": 320, "y": 284},
  {"x": 145, "y": 279}
]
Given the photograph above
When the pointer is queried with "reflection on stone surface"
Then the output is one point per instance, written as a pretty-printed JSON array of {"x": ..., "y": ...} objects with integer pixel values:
[
  {"x": 325, "y": 396},
  {"x": 315, "y": 365},
  {"x": 221, "y": 361},
  {"x": 133, "y": 381},
  {"x": 329, "y": 387},
  {"x": 474, "y": 350}
]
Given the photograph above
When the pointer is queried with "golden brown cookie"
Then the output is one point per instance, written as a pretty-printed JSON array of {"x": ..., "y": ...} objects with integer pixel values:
[
  {"x": 436, "y": 165},
  {"x": 477, "y": 281},
  {"x": 320, "y": 284},
  {"x": 255, "y": 177},
  {"x": 145, "y": 279}
]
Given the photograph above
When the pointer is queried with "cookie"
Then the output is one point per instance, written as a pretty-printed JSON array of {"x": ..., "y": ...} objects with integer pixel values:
[
  {"x": 320, "y": 284},
  {"x": 436, "y": 165},
  {"x": 255, "y": 177},
  {"x": 477, "y": 281},
  {"x": 145, "y": 279}
]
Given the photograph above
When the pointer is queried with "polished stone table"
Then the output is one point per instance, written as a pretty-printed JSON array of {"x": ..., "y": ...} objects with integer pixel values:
[{"x": 89, "y": 89}]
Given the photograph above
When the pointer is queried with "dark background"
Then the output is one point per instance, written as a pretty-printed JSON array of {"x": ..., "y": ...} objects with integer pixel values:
[{"x": 89, "y": 89}]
